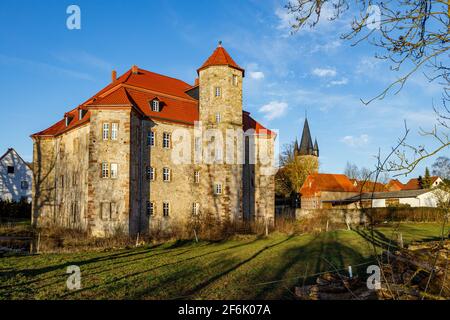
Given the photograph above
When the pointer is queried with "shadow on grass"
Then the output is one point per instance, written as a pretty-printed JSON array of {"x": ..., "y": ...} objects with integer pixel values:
[
  {"x": 294, "y": 268},
  {"x": 110, "y": 258},
  {"x": 145, "y": 271}
]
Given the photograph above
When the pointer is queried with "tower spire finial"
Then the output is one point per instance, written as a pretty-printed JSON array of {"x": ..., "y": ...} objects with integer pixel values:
[{"x": 220, "y": 43}]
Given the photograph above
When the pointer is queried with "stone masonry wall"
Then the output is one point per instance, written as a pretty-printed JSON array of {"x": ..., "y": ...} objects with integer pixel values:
[
  {"x": 109, "y": 199},
  {"x": 228, "y": 205},
  {"x": 60, "y": 179}
]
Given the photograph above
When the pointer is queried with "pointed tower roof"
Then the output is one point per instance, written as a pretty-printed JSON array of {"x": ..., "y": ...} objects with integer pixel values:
[
  {"x": 296, "y": 146},
  {"x": 220, "y": 57},
  {"x": 306, "y": 145},
  {"x": 316, "y": 148}
]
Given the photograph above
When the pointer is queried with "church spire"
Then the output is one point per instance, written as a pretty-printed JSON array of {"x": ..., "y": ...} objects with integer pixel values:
[
  {"x": 306, "y": 145},
  {"x": 296, "y": 148},
  {"x": 316, "y": 148}
]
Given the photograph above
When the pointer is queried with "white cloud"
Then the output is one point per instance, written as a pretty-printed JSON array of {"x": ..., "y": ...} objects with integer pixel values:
[
  {"x": 367, "y": 66},
  {"x": 257, "y": 75},
  {"x": 341, "y": 82},
  {"x": 324, "y": 72},
  {"x": 285, "y": 19},
  {"x": 326, "y": 47},
  {"x": 352, "y": 141},
  {"x": 274, "y": 109}
]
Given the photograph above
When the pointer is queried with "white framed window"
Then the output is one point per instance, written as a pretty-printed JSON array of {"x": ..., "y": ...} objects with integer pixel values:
[
  {"x": 218, "y": 117},
  {"x": 235, "y": 80},
  {"x": 1, "y": 185},
  {"x": 114, "y": 170},
  {"x": 11, "y": 169},
  {"x": 218, "y": 189},
  {"x": 150, "y": 208},
  {"x": 217, "y": 91},
  {"x": 166, "y": 174},
  {"x": 150, "y": 173},
  {"x": 155, "y": 105},
  {"x": 195, "y": 208},
  {"x": 196, "y": 176},
  {"x": 105, "y": 133},
  {"x": 105, "y": 170},
  {"x": 166, "y": 209},
  {"x": 68, "y": 120},
  {"x": 114, "y": 130},
  {"x": 166, "y": 140},
  {"x": 151, "y": 138}
]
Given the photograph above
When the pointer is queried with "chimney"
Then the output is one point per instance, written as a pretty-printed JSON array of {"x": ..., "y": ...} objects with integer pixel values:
[
  {"x": 196, "y": 82},
  {"x": 134, "y": 69},
  {"x": 114, "y": 75}
]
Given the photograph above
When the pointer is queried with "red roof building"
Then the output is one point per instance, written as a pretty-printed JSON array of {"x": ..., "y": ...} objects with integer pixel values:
[
  {"x": 116, "y": 159},
  {"x": 416, "y": 184},
  {"x": 136, "y": 89},
  {"x": 394, "y": 185},
  {"x": 319, "y": 187}
]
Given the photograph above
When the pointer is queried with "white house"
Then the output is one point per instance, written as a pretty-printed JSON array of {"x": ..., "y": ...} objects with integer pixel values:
[
  {"x": 15, "y": 177},
  {"x": 414, "y": 198}
]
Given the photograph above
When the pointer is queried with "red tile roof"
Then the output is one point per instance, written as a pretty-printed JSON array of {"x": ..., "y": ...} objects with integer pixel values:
[
  {"x": 414, "y": 184},
  {"x": 118, "y": 97},
  {"x": 370, "y": 186},
  {"x": 318, "y": 182},
  {"x": 171, "y": 109},
  {"x": 220, "y": 57},
  {"x": 394, "y": 185},
  {"x": 250, "y": 123},
  {"x": 137, "y": 89}
]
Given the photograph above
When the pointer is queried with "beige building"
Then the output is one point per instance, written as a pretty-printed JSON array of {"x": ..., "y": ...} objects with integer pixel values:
[{"x": 138, "y": 155}]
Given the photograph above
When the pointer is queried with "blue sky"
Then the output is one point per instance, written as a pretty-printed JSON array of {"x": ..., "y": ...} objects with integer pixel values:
[{"x": 47, "y": 69}]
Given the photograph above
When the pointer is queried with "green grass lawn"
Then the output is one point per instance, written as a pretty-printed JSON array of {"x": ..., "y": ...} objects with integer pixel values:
[{"x": 244, "y": 268}]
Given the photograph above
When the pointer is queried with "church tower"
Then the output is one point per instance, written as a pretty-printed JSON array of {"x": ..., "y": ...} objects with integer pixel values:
[{"x": 307, "y": 149}]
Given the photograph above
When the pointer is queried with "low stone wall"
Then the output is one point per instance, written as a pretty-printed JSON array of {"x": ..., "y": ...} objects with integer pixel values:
[
  {"x": 347, "y": 216},
  {"x": 376, "y": 215}
]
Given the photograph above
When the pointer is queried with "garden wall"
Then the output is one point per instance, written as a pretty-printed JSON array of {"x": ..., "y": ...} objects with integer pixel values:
[{"x": 372, "y": 215}]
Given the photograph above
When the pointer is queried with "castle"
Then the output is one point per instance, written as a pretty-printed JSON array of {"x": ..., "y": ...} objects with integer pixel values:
[{"x": 137, "y": 155}]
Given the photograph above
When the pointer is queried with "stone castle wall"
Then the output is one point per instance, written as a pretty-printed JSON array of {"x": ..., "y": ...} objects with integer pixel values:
[{"x": 105, "y": 206}]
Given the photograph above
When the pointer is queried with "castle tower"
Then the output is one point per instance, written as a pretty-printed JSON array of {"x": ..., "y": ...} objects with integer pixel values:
[
  {"x": 220, "y": 108},
  {"x": 220, "y": 80}
]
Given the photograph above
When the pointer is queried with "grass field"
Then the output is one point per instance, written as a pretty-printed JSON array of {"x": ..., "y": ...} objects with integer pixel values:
[{"x": 247, "y": 267}]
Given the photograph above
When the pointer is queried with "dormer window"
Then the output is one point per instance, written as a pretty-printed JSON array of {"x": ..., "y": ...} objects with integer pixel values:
[
  {"x": 68, "y": 119},
  {"x": 80, "y": 114},
  {"x": 155, "y": 105}
]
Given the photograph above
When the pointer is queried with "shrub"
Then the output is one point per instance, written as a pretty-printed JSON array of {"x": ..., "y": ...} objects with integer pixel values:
[{"x": 11, "y": 210}]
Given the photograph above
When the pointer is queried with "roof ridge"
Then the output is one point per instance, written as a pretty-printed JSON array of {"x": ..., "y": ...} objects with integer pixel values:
[
  {"x": 145, "y": 90},
  {"x": 163, "y": 75}
]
